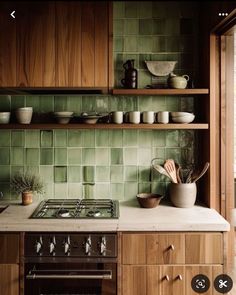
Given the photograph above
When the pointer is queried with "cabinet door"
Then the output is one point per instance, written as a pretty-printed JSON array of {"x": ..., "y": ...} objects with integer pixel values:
[
  {"x": 165, "y": 249},
  {"x": 133, "y": 280},
  {"x": 35, "y": 52},
  {"x": 7, "y": 45},
  {"x": 9, "y": 248},
  {"x": 133, "y": 249},
  {"x": 9, "y": 279},
  {"x": 165, "y": 280},
  {"x": 204, "y": 248},
  {"x": 208, "y": 270}
]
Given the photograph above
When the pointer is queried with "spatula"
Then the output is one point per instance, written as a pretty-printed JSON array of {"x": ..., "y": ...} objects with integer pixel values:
[
  {"x": 204, "y": 170},
  {"x": 170, "y": 168}
]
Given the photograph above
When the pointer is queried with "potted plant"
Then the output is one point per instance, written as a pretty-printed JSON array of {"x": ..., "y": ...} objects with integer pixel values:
[{"x": 27, "y": 183}]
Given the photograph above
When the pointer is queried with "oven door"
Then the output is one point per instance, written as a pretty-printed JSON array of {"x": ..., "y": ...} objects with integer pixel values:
[{"x": 72, "y": 278}]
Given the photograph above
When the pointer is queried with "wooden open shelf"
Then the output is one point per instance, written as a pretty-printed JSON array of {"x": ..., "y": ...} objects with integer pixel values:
[
  {"x": 105, "y": 126},
  {"x": 144, "y": 91}
]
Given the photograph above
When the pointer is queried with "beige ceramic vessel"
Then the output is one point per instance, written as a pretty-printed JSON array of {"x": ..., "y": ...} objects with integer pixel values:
[{"x": 183, "y": 195}]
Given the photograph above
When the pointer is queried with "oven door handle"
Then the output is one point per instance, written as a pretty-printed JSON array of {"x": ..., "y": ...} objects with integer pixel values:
[{"x": 98, "y": 275}]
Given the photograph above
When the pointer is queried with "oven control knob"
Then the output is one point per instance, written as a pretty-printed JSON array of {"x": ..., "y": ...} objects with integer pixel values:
[
  {"x": 67, "y": 245},
  {"x": 103, "y": 246},
  {"x": 52, "y": 246},
  {"x": 88, "y": 245},
  {"x": 38, "y": 245}
]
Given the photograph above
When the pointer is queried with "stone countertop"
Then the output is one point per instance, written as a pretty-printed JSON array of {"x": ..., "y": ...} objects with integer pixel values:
[{"x": 132, "y": 218}]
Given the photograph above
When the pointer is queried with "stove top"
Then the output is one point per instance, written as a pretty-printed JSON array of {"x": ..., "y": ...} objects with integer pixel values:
[{"x": 77, "y": 209}]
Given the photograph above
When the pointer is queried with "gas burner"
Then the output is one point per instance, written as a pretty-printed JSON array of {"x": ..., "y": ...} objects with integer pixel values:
[
  {"x": 94, "y": 213},
  {"x": 64, "y": 213}
]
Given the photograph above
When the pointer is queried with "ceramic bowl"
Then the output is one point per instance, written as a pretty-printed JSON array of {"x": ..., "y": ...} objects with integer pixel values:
[
  {"x": 63, "y": 114},
  {"x": 63, "y": 119},
  {"x": 24, "y": 115},
  {"x": 160, "y": 68},
  {"x": 5, "y": 117},
  {"x": 184, "y": 119},
  {"x": 149, "y": 200},
  {"x": 180, "y": 114}
]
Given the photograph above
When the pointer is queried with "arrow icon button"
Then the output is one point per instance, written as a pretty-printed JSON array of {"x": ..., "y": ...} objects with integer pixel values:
[{"x": 13, "y": 14}]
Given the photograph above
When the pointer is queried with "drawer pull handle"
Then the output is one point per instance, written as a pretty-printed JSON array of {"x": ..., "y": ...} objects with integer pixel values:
[
  {"x": 179, "y": 277},
  {"x": 166, "y": 277},
  {"x": 172, "y": 247}
]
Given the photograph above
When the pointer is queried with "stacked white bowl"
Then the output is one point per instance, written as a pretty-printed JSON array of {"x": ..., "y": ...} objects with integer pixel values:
[
  {"x": 63, "y": 117},
  {"x": 182, "y": 117},
  {"x": 24, "y": 115}
]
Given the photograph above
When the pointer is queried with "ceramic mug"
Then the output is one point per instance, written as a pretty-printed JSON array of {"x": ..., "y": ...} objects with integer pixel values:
[
  {"x": 163, "y": 117},
  {"x": 134, "y": 117},
  {"x": 117, "y": 117},
  {"x": 148, "y": 117}
]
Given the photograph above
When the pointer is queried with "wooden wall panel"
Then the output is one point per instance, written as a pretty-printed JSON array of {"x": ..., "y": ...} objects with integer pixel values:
[{"x": 9, "y": 279}]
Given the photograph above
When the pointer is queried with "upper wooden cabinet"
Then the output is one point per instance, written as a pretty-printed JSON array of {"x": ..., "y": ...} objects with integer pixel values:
[{"x": 55, "y": 44}]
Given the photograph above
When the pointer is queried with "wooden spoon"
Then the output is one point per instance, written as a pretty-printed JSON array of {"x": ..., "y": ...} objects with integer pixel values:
[
  {"x": 161, "y": 170},
  {"x": 170, "y": 168},
  {"x": 204, "y": 170},
  {"x": 178, "y": 173}
]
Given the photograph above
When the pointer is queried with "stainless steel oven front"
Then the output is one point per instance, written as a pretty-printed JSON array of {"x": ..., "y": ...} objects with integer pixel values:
[{"x": 66, "y": 264}]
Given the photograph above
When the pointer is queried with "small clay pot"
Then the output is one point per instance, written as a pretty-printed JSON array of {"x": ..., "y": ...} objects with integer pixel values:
[
  {"x": 27, "y": 198},
  {"x": 183, "y": 195}
]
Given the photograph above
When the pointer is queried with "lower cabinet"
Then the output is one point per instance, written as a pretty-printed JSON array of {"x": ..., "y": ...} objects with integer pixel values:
[{"x": 9, "y": 279}]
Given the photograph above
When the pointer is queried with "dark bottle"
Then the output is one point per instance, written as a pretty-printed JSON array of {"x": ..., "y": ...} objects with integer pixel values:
[{"x": 131, "y": 75}]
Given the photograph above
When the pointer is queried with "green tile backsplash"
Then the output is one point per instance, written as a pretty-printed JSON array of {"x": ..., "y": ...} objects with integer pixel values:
[{"x": 110, "y": 163}]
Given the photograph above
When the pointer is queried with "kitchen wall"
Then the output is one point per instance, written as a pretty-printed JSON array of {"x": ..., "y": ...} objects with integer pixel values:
[{"x": 111, "y": 163}]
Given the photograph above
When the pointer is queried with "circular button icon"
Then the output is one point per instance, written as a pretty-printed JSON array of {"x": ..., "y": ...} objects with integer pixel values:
[
  {"x": 200, "y": 283},
  {"x": 223, "y": 283}
]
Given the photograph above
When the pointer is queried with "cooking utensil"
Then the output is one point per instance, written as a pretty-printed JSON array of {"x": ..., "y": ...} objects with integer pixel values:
[
  {"x": 189, "y": 177},
  {"x": 204, "y": 170},
  {"x": 178, "y": 172},
  {"x": 169, "y": 165},
  {"x": 159, "y": 168}
]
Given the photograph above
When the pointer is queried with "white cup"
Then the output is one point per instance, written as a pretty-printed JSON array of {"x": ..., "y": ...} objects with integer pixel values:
[
  {"x": 163, "y": 117},
  {"x": 134, "y": 117},
  {"x": 148, "y": 117},
  {"x": 117, "y": 117}
]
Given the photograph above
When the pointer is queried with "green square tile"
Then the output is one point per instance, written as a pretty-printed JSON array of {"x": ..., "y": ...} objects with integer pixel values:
[
  {"x": 74, "y": 174},
  {"x": 46, "y": 156},
  {"x": 32, "y": 156},
  {"x": 74, "y": 138},
  {"x": 102, "y": 138},
  {"x": 17, "y": 156},
  {"x": 144, "y": 174},
  {"x": 5, "y": 138},
  {"x": 145, "y": 138},
  {"x": 89, "y": 174},
  {"x": 5, "y": 105},
  {"x": 74, "y": 156},
  {"x": 60, "y": 138},
  {"x": 130, "y": 156},
  {"x": 142, "y": 64},
  {"x": 17, "y": 101},
  {"x": 116, "y": 138},
  {"x": 131, "y": 173},
  {"x": 60, "y": 190},
  {"x": 118, "y": 44},
  {"x": 117, "y": 174},
  {"x": 159, "y": 104},
  {"x": 118, "y": 9},
  {"x": 144, "y": 79},
  {"x": 159, "y": 26},
  {"x": 145, "y": 26},
  {"x": 46, "y": 103},
  {"x": 4, "y": 174},
  {"x": 118, "y": 27},
  {"x": 130, "y": 103},
  {"x": 18, "y": 138},
  {"x": 131, "y": 10},
  {"x": 5, "y": 189},
  {"x": 103, "y": 173},
  {"x": 145, "y": 9},
  {"x": 172, "y": 44},
  {"x": 101, "y": 104},
  {"x": 130, "y": 44},
  {"x": 158, "y": 188},
  {"x": 88, "y": 156},
  {"x": 131, "y": 27},
  {"x": 144, "y": 156},
  {"x": 88, "y": 138},
  {"x": 16, "y": 169},
  {"x": 102, "y": 191},
  {"x": 131, "y": 190},
  {"x": 46, "y": 138},
  {"x": 60, "y": 174},
  {"x": 117, "y": 191},
  {"x": 75, "y": 191},
  {"x": 75, "y": 104},
  {"x": 160, "y": 44},
  {"x": 4, "y": 156},
  {"x": 172, "y": 138},
  {"x": 172, "y": 104},
  {"x": 145, "y": 44},
  {"x": 89, "y": 103},
  {"x": 145, "y": 103},
  {"x": 130, "y": 137},
  {"x": 32, "y": 138},
  {"x": 186, "y": 138},
  {"x": 88, "y": 191},
  {"x": 47, "y": 173},
  {"x": 32, "y": 169},
  {"x": 159, "y": 153},
  {"x": 144, "y": 187},
  {"x": 118, "y": 64},
  {"x": 172, "y": 26},
  {"x": 60, "y": 103},
  {"x": 116, "y": 156},
  {"x": 34, "y": 102},
  {"x": 116, "y": 103},
  {"x": 60, "y": 156},
  {"x": 102, "y": 156},
  {"x": 49, "y": 190},
  {"x": 174, "y": 153},
  {"x": 159, "y": 138}
]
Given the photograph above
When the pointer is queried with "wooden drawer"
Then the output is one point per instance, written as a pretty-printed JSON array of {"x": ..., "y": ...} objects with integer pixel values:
[
  {"x": 9, "y": 248},
  {"x": 204, "y": 248},
  {"x": 165, "y": 249},
  {"x": 134, "y": 249}
]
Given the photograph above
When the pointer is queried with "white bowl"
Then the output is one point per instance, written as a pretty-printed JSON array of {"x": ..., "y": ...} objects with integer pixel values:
[
  {"x": 183, "y": 119},
  {"x": 63, "y": 114},
  {"x": 180, "y": 114},
  {"x": 5, "y": 117},
  {"x": 160, "y": 68},
  {"x": 24, "y": 115},
  {"x": 63, "y": 119}
]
